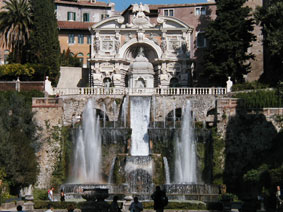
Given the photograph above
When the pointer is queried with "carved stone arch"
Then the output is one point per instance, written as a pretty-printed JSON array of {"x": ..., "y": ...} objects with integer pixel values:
[
  {"x": 173, "y": 22},
  {"x": 124, "y": 50}
]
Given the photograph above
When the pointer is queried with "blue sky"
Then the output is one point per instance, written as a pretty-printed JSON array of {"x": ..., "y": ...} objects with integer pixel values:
[{"x": 120, "y": 5}]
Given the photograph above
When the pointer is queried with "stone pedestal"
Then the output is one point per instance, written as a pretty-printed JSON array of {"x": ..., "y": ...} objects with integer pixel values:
[
  {"x": 127, "y": 202},
  {"x": 29, "y": 206}
]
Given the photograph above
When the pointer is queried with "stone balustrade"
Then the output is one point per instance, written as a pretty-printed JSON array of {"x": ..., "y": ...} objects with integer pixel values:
[{"x": 140, "y": 91}]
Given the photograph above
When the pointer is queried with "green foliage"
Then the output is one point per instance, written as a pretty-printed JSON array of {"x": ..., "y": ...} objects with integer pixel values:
[
  {"x": 229, "y": 37},
  {"x": 43, "y": 47},
  {"x": 40, "y": 194},
  {"x": 67, "y": 59},
  {"x": 15, "y": 24},
  {"x": 228, "y": 197},
  {"x": 249, "y": 139},
  {"x": 249, "y": 86},
  {"x": 218, "y": 157},
  {"x": 159, "y": 175},
  {"x": 259, "y": 99},
  {"x": 39, "y": 204},
  {"x": 24, "y": 71},
  {"x": 60, "y": 174},
  {"x": 12, "y": 71},
  {"x": 18, "y": 141},
  {"x": 189, "y": 205},
  {"x": 270, "y": 18}
]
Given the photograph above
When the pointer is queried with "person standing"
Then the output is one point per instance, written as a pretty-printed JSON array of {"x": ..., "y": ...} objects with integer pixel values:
[
  {"x": 278, "y": 198},
  {"x": 160, "y": 199},
  {"x": 62, "y": 195},
  {"x": 136, "y": 206},
  {"x": 114, "y": 207},
  {"x": 51, "y": 194}
]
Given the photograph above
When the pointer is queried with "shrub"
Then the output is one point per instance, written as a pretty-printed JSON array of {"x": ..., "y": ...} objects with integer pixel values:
[
  {"x": 259, "y": 99},
  {"x": 40, "y": 194},
  {"x": 249, "y": 86}
]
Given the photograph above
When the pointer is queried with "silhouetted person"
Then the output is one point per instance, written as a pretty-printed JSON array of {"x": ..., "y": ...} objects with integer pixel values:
[
  {"x": 114, "y": 207},
  {"x": 62, "y": 195},
  {"x": 70, "y": 208},
  {"x": 19, "y": 208},
  {"x": 160, "y": 199},
  {"x": 136, "y": 206}
]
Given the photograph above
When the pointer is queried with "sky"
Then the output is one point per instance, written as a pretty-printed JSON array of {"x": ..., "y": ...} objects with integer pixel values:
[{"x": 120, "y": 5}]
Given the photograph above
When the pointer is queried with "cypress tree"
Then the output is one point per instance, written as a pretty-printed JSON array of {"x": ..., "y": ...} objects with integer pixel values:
[
  {"x": 229, "y": 36},
  {"x": 44, "y": 47},
  {"x": 270, "y": 18}
]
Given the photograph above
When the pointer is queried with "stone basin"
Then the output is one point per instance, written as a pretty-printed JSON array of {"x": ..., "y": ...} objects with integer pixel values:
[{"x": 95, "y": 194}]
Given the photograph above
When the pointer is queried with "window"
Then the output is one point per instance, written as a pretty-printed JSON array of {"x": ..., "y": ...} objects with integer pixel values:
[
  {"x": 80, "y": 39},
  {"x": 85, "y": 17},
  {"x": 71, "y": 38},
  {"x": 89, "y": 39},
  {"x": 71, "y": 16},
  {"x": 168, "y": 12},
  {"x": 103, "y": 16},
  {"x": 201, "y": 11},
  {"x": 201, "y": 40}
]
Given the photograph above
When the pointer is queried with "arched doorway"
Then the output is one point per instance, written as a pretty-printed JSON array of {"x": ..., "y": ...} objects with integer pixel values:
[{"x": 147, "y": 76}]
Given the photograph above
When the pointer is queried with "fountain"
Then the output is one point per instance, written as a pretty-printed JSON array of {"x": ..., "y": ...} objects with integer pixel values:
[
  {"x": 87, "y": 154},
  {"x": 142, "y": 151},
  {"x": 140, "y": 110},
  {"x": 185, "y": 160}
]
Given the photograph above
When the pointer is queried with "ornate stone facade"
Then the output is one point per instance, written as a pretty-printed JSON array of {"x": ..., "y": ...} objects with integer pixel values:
[{"x": 167, "y": 46}]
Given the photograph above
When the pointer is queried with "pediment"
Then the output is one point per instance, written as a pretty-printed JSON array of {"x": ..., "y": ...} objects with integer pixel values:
[
  {"x": 109, "y": 23},
  {"x": 172, "y": 23}
]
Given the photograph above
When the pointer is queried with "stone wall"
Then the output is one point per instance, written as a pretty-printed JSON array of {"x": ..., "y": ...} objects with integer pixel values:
[
  {"x": 47, "y": 118},
  {"x": 216, "y": 111}
]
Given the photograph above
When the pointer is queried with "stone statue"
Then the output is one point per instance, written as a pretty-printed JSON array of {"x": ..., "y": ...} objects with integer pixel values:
[
  {"x": 97, "y": 45},
  {"x": 140, "y": 8},
  {"x": 140, "y": 19},
  {"x": 117, "y": 44},
  {"x": 141, "y": 52}
]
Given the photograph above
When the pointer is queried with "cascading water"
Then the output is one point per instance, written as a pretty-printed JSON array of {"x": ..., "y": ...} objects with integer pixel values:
[
  {"x": 110, "y": 178},
  {"x": 87, "y": 154},
  {"x": 185, "y": 152},
  {"x": 124, "y": 111},
  {"x": 140, "y": 114},
  {"x": 167, "y": 172}
]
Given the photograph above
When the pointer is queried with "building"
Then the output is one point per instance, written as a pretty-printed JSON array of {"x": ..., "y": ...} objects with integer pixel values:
[
  {"x": 197, "y": 16},
  {"x": 74, "y": 19},
  {"x": 4, "y": 53}
]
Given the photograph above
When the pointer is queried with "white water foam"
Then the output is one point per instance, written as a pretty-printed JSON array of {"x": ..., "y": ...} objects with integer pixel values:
[
  {"x": 87, "y": 154},
  {"x": 140, "y": 117},
  {"x": 185, "y": 151}
]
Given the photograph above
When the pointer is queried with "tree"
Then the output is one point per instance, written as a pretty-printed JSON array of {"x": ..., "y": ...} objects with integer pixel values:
[
  {"x": 270, "y": 18},
  {"x": 17, "y": 141},
  {"x": 229, "y": 36},
  {"x": 44, "y": 45},
  {"x": 15, "y": 24},
  {"x": 67, "y": 59}
]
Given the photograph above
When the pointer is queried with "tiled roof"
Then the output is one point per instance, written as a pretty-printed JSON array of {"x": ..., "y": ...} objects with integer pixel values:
[
  {"x": 160, "y": 6},
  {"x": 83, "y": 3},
  {"x": 74, "y": 25}
]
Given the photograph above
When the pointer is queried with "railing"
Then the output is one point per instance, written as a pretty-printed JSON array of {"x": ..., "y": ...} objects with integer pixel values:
[{"x": 140, "y": 91}]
